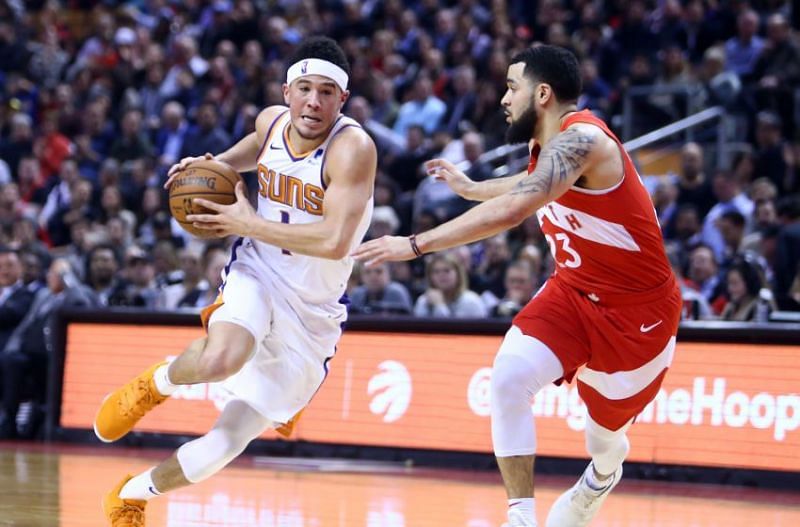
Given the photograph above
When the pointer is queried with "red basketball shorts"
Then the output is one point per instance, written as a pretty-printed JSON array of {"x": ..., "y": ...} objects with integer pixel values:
[{"x": 620, "y": 346}]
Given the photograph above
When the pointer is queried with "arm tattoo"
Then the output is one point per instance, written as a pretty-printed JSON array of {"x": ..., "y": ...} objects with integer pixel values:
[{"x": 563, "y": 158}]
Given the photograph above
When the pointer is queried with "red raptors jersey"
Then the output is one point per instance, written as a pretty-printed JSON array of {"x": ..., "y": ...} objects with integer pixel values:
[{"x": 605, "y": 242}]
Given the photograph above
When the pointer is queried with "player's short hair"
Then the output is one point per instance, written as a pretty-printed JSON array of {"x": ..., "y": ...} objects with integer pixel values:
[
  {"x": 555, "y": 66},
  {"x": 321, "y": 48}
]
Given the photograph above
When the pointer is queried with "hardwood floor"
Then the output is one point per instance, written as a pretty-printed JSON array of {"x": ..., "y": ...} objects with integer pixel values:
[{"x": 61, "y": 486}]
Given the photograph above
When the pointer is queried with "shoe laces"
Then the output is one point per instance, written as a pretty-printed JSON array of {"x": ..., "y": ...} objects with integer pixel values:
[
  {"x": 137, "y": 399},
  {"x": 585, "y": 497},
  {"x": 132, "y": 515}
]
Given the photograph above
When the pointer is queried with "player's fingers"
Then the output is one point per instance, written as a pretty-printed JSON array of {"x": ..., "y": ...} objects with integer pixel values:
[
  {"x": 169, "y": 181},
  {"x": 375, "y": 261},
  {"x": 208, "y": 156},
  {"x": 208, "y": 204},
  {"x": 205, "y": 219},
  {"x": 363, "y": 250}
]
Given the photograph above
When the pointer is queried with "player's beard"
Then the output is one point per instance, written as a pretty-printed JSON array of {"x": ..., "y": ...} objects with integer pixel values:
[{"x": 521, "y": 130}]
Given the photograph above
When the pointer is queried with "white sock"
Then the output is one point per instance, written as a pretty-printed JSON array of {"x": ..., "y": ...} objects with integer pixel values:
[
  {"x": 526, "y": 507},
  {"x": 593, "y": 482},
  {"x": 140, "y": 487},
  {"x": 161, "y": 378}
]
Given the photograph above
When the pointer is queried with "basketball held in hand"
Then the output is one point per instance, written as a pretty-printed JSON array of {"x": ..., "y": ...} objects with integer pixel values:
[{"x": 208, "y": 179}]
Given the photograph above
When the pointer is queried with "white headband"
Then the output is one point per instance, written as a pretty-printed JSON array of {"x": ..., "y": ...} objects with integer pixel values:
[{"x": 306, "y": 67}]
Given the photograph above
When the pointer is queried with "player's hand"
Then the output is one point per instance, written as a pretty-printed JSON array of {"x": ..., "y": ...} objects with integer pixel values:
[
  {"x": 181, "y": 165},
  {"x": 384, "y": 249},
  {"x": 444, "y": 170},
  {"x": 238, "y": 218}
]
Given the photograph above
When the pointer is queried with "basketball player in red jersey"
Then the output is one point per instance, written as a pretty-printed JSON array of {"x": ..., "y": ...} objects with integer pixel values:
[{"x": 612, "y": 305}]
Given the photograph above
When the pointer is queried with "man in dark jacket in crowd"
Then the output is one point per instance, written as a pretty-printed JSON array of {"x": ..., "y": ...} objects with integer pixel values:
[
  {"x": 29, "y": 349},
  {"x": 15, "y": 298}
]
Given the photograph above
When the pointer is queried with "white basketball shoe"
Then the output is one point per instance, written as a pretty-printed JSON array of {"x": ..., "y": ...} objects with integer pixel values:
[
  {"x": 577, "y": 506},
  {"x": 517, "y": 519}
]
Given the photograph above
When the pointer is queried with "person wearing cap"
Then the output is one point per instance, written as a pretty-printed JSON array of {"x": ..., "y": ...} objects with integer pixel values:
[{"x": 277, "y": 319}]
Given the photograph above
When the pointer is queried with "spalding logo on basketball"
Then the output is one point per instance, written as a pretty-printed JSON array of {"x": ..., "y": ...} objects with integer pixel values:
[{"x": 208, "y": 179}]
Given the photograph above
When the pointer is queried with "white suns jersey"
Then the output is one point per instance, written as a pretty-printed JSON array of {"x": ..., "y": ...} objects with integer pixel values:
[{"x": 290, "y": 190}]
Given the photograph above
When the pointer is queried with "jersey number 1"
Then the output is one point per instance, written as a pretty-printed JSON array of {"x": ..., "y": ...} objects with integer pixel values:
[
  {"x": 573, "y": 260},
  {"x": 284, "y": 219}
]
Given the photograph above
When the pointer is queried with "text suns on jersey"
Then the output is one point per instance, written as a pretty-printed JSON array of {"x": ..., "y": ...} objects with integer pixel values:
[{"x": 289, "y": 190}]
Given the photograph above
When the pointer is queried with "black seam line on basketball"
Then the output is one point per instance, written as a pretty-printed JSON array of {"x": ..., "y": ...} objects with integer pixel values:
[
  {"x": 221, "y": 174},
  {"x": 184, "y": 222},
  {"x": 212, "y": 193}
]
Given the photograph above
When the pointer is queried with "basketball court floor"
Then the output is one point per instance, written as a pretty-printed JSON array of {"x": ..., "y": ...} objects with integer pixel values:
[{"x": 61, "y": 486}]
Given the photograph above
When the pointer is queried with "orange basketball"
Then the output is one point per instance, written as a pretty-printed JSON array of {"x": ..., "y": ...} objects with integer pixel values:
[{"x": 208, "y": 179}]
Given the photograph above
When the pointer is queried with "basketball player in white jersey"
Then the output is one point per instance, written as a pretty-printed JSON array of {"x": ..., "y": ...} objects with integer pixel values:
[{"x": 278, "y": 317}]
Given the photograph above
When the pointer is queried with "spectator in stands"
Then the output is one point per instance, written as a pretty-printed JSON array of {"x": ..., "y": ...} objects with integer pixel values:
[
  {"x": 787, "y": 252},
  {"x": 171, "y": 134},
  {"x": 765, "y": 216},
  {"x": 665, "y": 198},
  {"x": 743, "y": 50},
  {"x": 137, "y": 287},
  {"x": 695, "y": 305},
  {"x": 777, "y": 70},
  {"x": 384, "y": 222},
  {"x": 79, "y": 207},
  {"x": 132, "y": 142},
  {"x": 493, "y": 263},
  {"x": 461, "y": 107},
  {"x": 380, "y": 295},
  {"x": 744, "y": 292},
  {"x": 447, "y": 293},
  {"x": 703, "y": 274},
  {"x": 215, "y": 257},
  {"x": 731, "y": 226},
  {"x": 102, "y": 264},
  {"x": 19, "y": 142},
  {"x": 15, "y": 297},
  {"x": 693, "y": 185},
  {"x": 59, "y": 196},
  {"x": 422, "y": 109},
  {"x": 772, "y": 154},
  {"x": 473, "y": 149},
  {"x": 520, "y": 284},
  {"x": 387, "y": 142},
  {"x": 729, "y": 192},
  {"x": 191, "y": 284},
  {"x": 207, "y": 135},
  {"x": 596, "y": 92},
  {"x": 26, "y": 356},
  {"x": 23, "y": 239}
]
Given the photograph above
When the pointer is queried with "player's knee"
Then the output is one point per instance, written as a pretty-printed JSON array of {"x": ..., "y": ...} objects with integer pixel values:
[
  {"x": 207, "y": 455},
  {"x": 510, "y": 378}
]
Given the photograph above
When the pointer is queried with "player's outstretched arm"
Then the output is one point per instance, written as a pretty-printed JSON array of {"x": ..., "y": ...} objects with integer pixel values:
[
  {"x": 351, "y": 165},
  {"x": 461, "y": 184},
  {"x": 561, "y": 163}
]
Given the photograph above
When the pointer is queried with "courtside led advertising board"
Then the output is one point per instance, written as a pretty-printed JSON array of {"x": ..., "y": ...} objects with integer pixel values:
[{"x": 731, "y": 405}]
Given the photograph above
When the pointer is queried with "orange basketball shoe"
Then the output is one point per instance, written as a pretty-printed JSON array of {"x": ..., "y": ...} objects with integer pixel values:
[
  {"x": 122, "y": 409},
  {"x": 123, "y": 513}
]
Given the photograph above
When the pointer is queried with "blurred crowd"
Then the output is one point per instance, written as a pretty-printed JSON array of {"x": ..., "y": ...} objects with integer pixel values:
[{"x": 99, "y": 98}]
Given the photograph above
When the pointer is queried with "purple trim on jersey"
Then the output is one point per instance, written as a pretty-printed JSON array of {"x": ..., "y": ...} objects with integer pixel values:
[
  {"x": 269, "y": 134},
  {"x": 289, "y": 150},
  {"x": 232, "y": 259},
  {"x": 324, "y": 155}
]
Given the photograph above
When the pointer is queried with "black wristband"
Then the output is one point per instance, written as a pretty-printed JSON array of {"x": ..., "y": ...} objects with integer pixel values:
[{"x": 414, "y": 247}]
